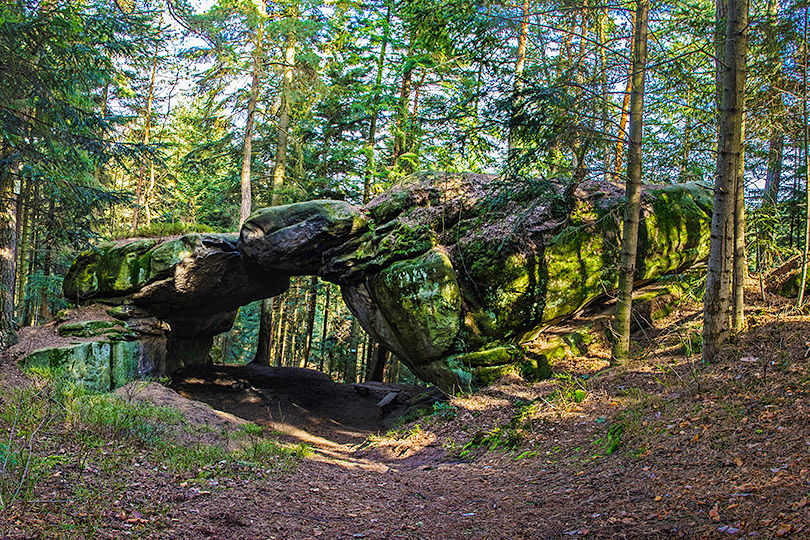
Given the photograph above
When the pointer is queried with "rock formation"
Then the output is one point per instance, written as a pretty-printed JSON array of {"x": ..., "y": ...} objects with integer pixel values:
[{"x": 451, "y": 272}]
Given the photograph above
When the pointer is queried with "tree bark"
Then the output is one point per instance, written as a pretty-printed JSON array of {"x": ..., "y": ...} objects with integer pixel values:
[
  {"x": 324, "y": 327},
  {"x": 141, "y": 182},
  {"x": 312, "y": 300},
  {"x": 372, "y": 128},
  {"x": 520, "y": 67},
  {"x": 632, "y": 209},
  {"x": 280, "y": 168},
  {"x": 8, "y": 249},
  {"x": 247, "y": 145},
  {"x": 731, "y": 66},
  {"x": 806, "y": 136},
  {"x": 740, "y": 264},
  {"x": 619, "y": 153}
]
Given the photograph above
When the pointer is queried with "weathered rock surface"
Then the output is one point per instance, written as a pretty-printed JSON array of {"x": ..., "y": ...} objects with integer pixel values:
[
  {"x": 451, "y": 272},
  {"x": 172, "y": 296}
]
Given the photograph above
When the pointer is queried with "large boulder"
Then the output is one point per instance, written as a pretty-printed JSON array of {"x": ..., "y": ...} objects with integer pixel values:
[
  {"x": 451, "y": 272},
  {"x": 173, "y": 296}
]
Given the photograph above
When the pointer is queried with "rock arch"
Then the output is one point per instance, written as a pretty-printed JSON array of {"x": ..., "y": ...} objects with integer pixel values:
[{"x": 451, "y": 272}]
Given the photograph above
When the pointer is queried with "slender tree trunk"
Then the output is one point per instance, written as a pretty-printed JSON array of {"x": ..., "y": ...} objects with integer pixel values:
[
  {"x": 619, "y": 153},
  {"x": 247, "y": 145},
  {"x": 376, "y": 368},
  {"x": 773, "y": 178},
  {"x": 731, "y": 66},
  {"x": 280, "y": 169},
  {"x": 324, "y": 326},
  {"x": 632, "y": 209},
  {"x": 350, "y": 375},
  {"x": 312, "y": 298},
  {"x": 372, "y": 129},
  {"x": 141, "y": 182},
  {"x": 740, "y": 262},
  {"x": 805, "y": 136},
  {"x": 8, "y": 248},
  {"x": 262, "y": 357},
  {"x": 520, "y": 68},
  {"x": 402, "y": 126},
  {"x": 24, "y": 247}
]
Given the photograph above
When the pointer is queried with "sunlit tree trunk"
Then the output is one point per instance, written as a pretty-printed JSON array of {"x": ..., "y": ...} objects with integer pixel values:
[
  {"x": 632, "y": 209},
  {"x": 731, "y": 44},
  {"x": 141, "y": 181},
  {"x": 283, "y": 131},
  {"x": 806, "y": 136},
  {"x": 520, "y": 68},
  {"x": 375, "y": 114},
  {"x": 740, "y": 263},
  {"x": 623, "y": 115}
]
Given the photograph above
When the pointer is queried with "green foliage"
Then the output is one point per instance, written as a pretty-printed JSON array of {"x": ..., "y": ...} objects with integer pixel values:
[
  {"x": 502, "y": 437},
  {"x": 612, "y": 440},
  {"x": 115, "y": 417},
  {"x": 691, "y": 342},
  {"x": 570, "y": 389},
  {"x": 158, "y": 229}
]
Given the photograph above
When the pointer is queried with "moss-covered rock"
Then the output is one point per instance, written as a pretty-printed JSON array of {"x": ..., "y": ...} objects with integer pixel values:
[
  {"x": 111, "y": 330},
  {"x": 451, "y": 272},
  {"x": 421, "y": 300},
  {"x": 99, "y": 366}
]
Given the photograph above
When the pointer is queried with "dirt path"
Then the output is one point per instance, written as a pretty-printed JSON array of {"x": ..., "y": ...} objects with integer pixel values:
[{"x": 656, "y": 449}]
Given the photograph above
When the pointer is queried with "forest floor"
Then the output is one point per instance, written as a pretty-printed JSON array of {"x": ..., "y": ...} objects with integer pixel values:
[{"x": 660, "y": 447}]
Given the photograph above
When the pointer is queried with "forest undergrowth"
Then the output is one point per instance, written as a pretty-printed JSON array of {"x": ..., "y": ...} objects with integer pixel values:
[{"x": 659, "y": 447}]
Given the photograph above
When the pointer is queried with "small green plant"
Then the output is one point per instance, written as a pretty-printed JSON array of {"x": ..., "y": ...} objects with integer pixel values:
[
  {"x": 504, "y": 437},
  {"x": 570, "y": 389},
  {"x": 612, "y": 440},
  {"x": 442, "y": 409},
  {"x": 691, "y": 342}
]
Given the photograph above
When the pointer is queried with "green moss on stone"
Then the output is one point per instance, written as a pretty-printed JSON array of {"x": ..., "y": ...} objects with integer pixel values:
[
  {"x": 99, "y": 366},
  {"x": 421, "y": 301}
]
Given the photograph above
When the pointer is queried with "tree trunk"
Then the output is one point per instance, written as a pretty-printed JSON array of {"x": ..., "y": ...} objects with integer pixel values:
[
  {"x": 312, "y": 294},
  {"x": 619, "y": 154},
  {"x": 731, "y": 67},
  {"x": 247, "y": 145},
  {"x": 8, "y": 248},
  {"x": 280, "y": 169},
  {"x": 372, "y": 129},
  {"x": 739, "y": 272},
  {"x": 632, "y": 209},
  {"x": 263, "y": 343},
  {"x": 376, "y": 368},
  {"x": 324, "y": 326},
  {"x": 520, "y": 67},
  {"x": 140, "y": 186},
  {"x": 402, "y": 117},
  {"x": 350, "y": 374},
  {"x": 773, "y": 178},
  {"x": 806, "y": 135}
]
